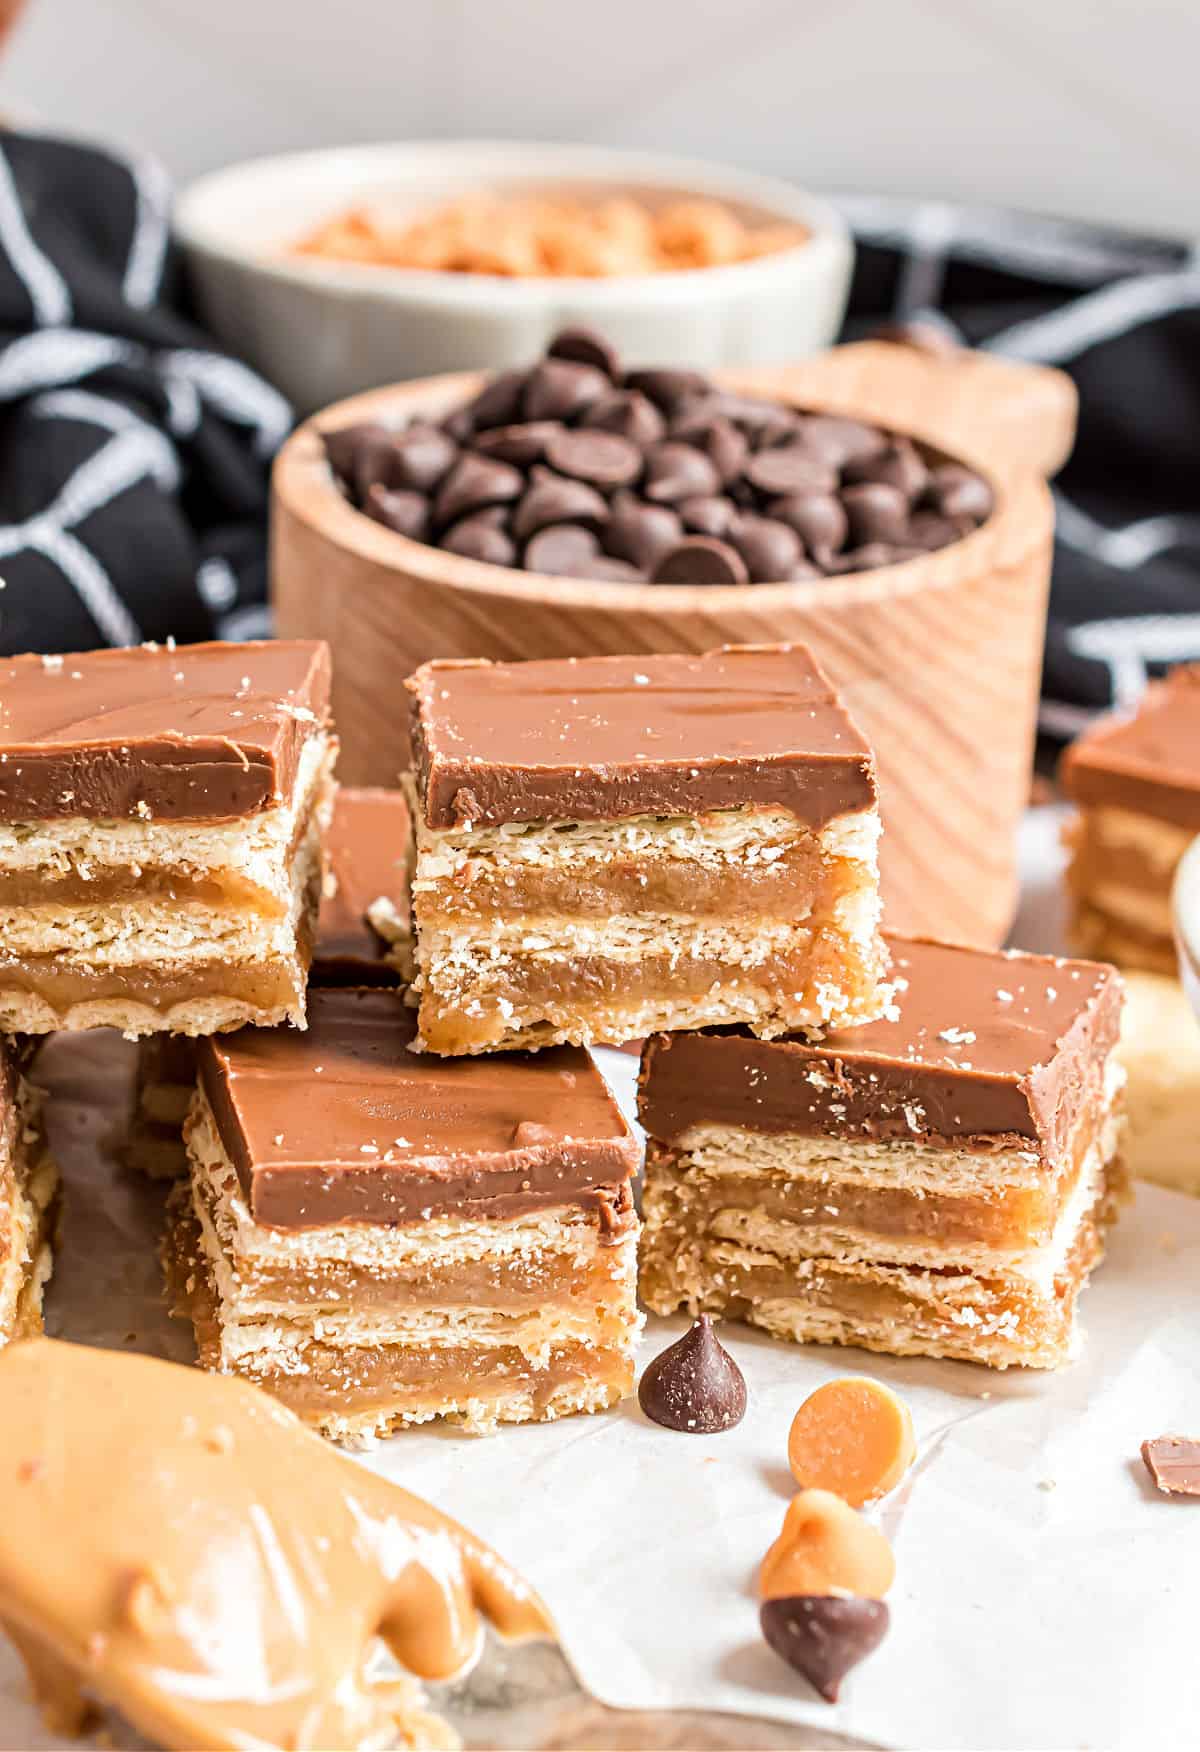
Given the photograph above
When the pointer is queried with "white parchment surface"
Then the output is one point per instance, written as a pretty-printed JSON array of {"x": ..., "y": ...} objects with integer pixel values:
[{"x": 1046, "y": 1594}]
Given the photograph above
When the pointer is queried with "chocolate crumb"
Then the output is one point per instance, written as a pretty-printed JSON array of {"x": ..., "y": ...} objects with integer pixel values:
[
  {"x": 694, "y": 1385},
  {"x": 1173, "y": 1462}
]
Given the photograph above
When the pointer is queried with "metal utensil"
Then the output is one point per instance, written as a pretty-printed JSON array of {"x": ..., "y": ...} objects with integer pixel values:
[{"x": 525, "y": 1697}]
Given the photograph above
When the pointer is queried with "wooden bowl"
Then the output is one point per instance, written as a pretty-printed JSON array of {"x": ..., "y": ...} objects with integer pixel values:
[{"x": 939, "y": 658}]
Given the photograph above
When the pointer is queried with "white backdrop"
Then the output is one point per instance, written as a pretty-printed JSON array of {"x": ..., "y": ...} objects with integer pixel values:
[{"x": 1082, "y": 107}]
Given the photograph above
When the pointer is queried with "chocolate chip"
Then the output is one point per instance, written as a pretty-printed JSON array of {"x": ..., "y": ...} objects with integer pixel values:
[
  {"x": 803, "y": 571},
  {"x": 694, "y": 1385},
  {"x": 699, "y": 559},
  {"x": 458, "y": 426},
  {"x": 929, "y": 530},
  {"x": 668, "y": 390},
  {"x": 824, "y": 1636},
  {"x": 473, "y": 482},
  {"x": 374, "y": 463},
  {"x": 603, "y": 458},
  {"x": 839, "y": 440},
  {"x": 498, "y": 402},
  {"x": 956, "y": 491},
  {"x": 641, "y": 534},
  {"x": 763, "y": 422},
  {"x": 676, "y": 471},
  {"x": 719, "y": 440},
  {"x": 629, "y": 414},
  {"x": 899, "y": 466},
  {"x": 610, "y": 571},
  {"x": 481, "y": 537},
  {"x": 522, "y": 445},
  {"x": 817, "y": 518},
  {"x": 561, "y": 548},
  {"x": 342, "y": 445},
  {"x": 585, "y": 347},
  {"x": 423, "y": 457},
  {"x": 790, "y": 468},
  {"x": 551, "y": 499},
  {"x": 558, "y": 388},
  {"x": 708, "y": 514},
  {"x": 769, "y": 548},
  {"x": 875, "y": 513},
  {"x": 864, "y": 559},
  {"x": 405, "y": 512}
]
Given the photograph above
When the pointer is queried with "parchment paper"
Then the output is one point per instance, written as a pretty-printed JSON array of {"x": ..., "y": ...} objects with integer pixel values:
[{"x": 1046, "y": 1593}]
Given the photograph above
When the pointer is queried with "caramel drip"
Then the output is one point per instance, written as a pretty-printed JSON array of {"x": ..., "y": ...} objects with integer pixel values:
[{"x": 177, "y": 1545}]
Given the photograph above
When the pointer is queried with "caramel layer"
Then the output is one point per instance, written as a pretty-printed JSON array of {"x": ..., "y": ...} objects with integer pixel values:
[
  {"x": 798, "y": 883},
  {"x": 159, "y": 882},
  {"x": 1008, "y": 1217},
  {"x": 898, "y": 1310},
  {"x": 264, "y": 985},
  {"x": 605, "y": 1000}
]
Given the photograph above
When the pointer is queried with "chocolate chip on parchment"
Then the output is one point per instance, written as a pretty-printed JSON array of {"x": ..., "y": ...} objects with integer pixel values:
[{"x": 694, "y": 1384}]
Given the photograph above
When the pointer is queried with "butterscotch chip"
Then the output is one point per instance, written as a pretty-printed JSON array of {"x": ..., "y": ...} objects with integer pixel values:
[
  {"x": 852, "y": 1437},
  {"x": 825, "y": 1547}
]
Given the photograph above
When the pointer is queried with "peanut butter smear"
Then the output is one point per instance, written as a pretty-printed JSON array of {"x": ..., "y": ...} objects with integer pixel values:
[{"x": 177, "y": 1546}]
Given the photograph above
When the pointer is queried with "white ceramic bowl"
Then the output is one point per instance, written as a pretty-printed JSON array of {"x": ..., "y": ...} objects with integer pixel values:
[
  {"x": 1185, "y": 907},
  {"x": 324, "y": 330}
]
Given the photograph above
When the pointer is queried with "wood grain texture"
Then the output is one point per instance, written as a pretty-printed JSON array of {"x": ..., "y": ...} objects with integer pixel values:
[{"x": 939, "y": 658}]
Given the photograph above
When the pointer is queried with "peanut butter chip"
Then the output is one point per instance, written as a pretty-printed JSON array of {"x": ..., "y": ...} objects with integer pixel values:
[
  {"x": 826, "y": 1548},
  {"x": 852, "y": 1437}
]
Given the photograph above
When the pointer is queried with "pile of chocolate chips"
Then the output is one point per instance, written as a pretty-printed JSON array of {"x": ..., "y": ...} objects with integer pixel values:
[{"x": 578, "y": 468}]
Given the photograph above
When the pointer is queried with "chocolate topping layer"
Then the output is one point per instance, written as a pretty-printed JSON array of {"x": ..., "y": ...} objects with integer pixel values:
[
  {"x": 343, "y": 1124},
  {"x": 196, "y": 733},
  {"x": 177, "y": 1545},
  {"x": 987, "y": 1044},
  {"x": 366, "y": 849},
  {"x": 599, "y": 738},
  {"x": 1149, "y": 763}
]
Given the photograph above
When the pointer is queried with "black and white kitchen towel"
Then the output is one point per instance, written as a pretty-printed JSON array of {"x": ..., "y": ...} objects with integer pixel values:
[
  {"x": 134, "y": 456},
  {"x": 1121, "y": 314}
]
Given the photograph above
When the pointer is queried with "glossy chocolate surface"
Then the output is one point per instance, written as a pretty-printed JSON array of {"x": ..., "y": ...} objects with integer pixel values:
[
  {"x": 194, "y": 733},
  {"x": 367, "y": 858},
  {"x": 599, "y": 738},
  {"x": 986, "y": 1044},
  {"x": 1149, "y": 763},
  {"x": 344, "y": 1124}
]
